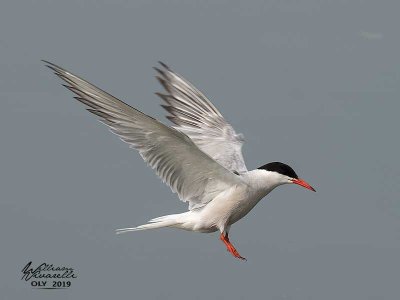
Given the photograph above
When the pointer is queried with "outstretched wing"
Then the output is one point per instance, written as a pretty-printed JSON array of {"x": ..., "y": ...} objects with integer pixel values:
[
  {"x": 198, "y": 118},
  {"x": 190, "y": 172}
]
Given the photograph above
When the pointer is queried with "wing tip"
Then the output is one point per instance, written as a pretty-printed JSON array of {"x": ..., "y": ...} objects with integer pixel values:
[
  {"x": 164, "y": 65},
  {"x": 159, "y": 71},
  {"x": 50, "y": 65}
]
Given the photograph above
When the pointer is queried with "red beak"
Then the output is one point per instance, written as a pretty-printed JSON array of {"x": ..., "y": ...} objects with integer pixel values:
[{"x": 303, "y": 184}]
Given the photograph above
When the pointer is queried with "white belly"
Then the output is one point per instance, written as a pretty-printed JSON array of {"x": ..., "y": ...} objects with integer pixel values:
[{"x": 226, "y": 209}]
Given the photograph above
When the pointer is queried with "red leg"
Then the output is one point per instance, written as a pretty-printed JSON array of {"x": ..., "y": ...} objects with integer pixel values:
[{"x": 230, "y": 247}]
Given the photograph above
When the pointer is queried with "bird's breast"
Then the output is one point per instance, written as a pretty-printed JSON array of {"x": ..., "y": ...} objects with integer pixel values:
[
  {"x": 229, "y": 207},
  {"x": 244, "y": 205}
]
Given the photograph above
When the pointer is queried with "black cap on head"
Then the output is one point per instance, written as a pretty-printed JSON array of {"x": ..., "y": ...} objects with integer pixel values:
[{"x": 280, "y": 168}]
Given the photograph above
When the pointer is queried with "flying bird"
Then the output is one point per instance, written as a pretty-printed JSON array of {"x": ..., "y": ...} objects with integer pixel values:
[{"x": 199, "y": 157}]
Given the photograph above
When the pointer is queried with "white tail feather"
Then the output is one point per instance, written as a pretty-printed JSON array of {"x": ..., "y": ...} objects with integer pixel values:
[{"x": 160, "y": 222}]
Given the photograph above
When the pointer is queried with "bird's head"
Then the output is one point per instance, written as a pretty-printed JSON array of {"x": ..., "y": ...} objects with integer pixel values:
[{"x": 281, "y": 173}]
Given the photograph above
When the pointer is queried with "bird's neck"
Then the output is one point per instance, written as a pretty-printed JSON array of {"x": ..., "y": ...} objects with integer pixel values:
[{"x": 262, "y": 181}]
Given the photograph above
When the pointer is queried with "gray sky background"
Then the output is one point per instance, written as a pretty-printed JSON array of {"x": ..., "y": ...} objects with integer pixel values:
[{"x": 311, "y": 83}]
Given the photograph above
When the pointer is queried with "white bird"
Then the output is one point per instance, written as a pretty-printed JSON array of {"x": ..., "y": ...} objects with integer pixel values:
[{"x": 200, "y": 158}]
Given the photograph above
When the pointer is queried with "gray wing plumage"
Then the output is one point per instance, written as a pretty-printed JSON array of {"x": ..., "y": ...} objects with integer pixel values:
[
  {"x": 197, "y": 117},
  {"x": 190, "y": 172}
]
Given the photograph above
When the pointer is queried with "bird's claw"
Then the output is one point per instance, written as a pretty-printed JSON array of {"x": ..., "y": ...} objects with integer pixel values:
[{"x": 230, "y": 248}]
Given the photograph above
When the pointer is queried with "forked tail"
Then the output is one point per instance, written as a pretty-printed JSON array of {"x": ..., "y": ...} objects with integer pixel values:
[{"x": 160, "y": 222}]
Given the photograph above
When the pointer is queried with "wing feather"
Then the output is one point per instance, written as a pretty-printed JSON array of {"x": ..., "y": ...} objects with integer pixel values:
[
  {"x": 190, "y": 172},
  {"x": 194, "y": 115}
]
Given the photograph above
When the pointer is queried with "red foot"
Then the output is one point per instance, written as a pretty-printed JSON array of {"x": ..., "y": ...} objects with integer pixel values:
[{"x": 230, "y": 247}]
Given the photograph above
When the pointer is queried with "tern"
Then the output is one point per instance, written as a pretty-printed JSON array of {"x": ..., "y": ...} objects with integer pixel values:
[{"x": 199, "y": 157}]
